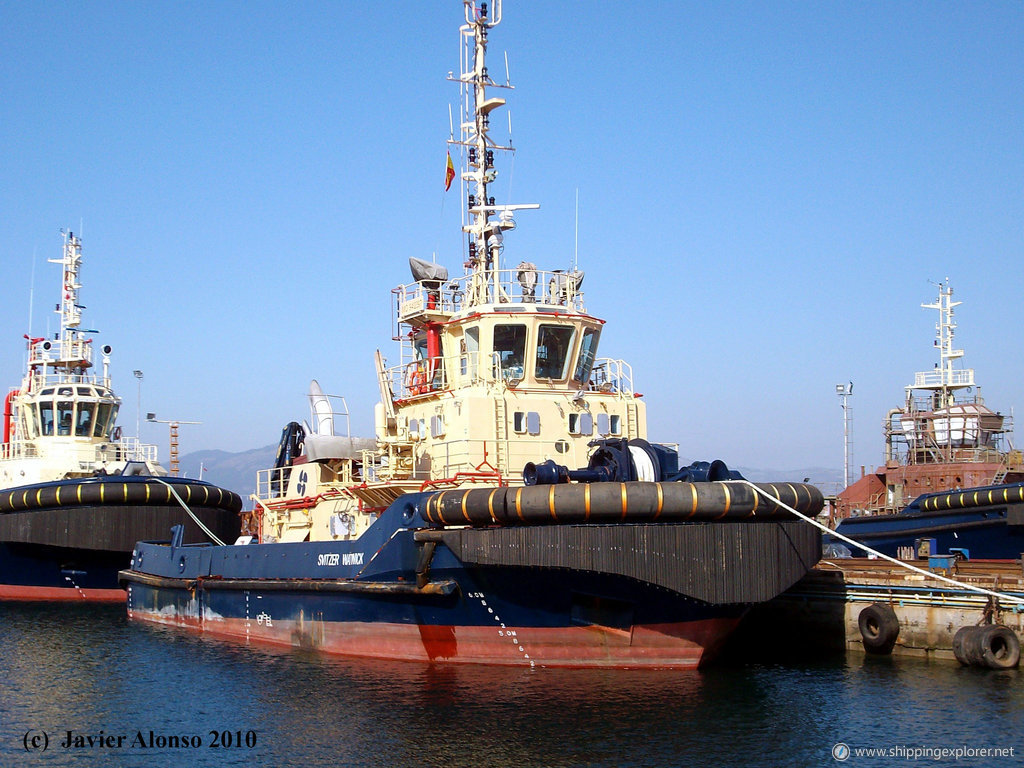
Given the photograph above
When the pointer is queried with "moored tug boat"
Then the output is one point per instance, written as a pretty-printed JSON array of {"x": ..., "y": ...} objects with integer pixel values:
[
  {"x": 75, "y": 495},
  {"x": 431, "y": 542}
]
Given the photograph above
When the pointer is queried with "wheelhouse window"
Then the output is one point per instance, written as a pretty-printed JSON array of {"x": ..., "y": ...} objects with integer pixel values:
[
  {"x": 30, "y": 421},
  {"x": 46, "y": 416},
  {"x": 510, "y": 349},
  {"x": 65, "y": 416},
  {"x": 84, "y": 422},
  {"x": 554, "y": 343},
  {"x": 106, "y": 413},
  {"x": 588, "y": 353},
  {"x": 469, "y": 351}
]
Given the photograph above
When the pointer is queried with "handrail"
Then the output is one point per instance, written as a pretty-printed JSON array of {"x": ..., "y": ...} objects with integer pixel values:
[
  {"x": 555, "y": 288},
  {"x": 126, "y": 449},
  {"x": 961, "y": 377}
]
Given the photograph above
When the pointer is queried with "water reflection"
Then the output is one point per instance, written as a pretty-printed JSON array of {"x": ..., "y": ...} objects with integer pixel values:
[{"x": 87, "y": 668}]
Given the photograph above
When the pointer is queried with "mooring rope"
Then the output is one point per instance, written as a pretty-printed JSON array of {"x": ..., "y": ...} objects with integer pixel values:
[
  {"x": 930, "y": 574},
  {"x": 191, "y": 514}
]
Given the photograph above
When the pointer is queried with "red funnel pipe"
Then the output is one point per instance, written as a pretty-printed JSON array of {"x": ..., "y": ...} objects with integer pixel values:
[{"x": 8, "y": 414}]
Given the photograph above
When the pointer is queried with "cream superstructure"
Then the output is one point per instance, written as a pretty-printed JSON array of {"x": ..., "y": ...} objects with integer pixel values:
[{"x": 496, "y": 368}]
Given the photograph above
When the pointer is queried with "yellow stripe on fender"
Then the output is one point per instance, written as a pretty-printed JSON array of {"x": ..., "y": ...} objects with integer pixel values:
[
  {"x": 440, "y": 516},
  {"x": 490, "y": 505}
]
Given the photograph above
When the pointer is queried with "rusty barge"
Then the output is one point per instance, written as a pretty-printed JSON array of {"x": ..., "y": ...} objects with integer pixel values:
[{"x": 874, "y": 606}]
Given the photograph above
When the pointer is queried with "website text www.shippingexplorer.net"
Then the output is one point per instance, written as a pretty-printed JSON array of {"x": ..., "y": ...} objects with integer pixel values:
[{"x": 843, "y": 752}]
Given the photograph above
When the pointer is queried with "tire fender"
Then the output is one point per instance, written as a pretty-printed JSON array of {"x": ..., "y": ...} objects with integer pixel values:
[{"x": 879, "y": 628}]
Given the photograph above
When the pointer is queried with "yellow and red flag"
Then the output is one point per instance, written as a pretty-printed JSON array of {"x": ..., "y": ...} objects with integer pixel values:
[{"x": 449, "y": 173}]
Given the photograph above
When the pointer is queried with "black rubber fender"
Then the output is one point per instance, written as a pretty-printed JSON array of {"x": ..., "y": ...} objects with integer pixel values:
[
  {"x": 991, "y": 645},
  {"x": 1000, "y": 647},
  {"x": 117, "y": 489},
  {"x": 879, "y": 628},
  {"x": 966, "y": 647},
  {"x": 604, "y": 503}
]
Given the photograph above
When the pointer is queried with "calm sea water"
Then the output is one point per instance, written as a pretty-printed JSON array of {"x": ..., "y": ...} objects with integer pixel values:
[{"x": 88, "y": 670}]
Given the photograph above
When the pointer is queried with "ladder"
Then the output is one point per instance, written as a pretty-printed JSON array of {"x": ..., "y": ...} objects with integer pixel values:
[
  {"x": 500, "y": 435},
  {"x": 632, "y": 420}
]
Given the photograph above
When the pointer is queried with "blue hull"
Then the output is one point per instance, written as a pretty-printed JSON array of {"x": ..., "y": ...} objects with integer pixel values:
[
  {"x": 655, "y": 595},
  {"x": 989, "y": 531}
]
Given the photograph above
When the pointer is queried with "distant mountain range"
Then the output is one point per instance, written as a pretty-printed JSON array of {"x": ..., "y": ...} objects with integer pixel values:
[
  {"x": 237, "y": 471},
  {"x": 234, "y": 471}
]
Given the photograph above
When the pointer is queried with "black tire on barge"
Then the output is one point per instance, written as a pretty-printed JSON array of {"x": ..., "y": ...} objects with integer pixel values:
[{"x": 879, "y": 628}]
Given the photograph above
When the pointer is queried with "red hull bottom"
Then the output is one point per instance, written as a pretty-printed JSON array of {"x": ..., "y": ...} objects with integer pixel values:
[
  {"x": 21, "y": 593},
  {"x": 659, "y": 646}
]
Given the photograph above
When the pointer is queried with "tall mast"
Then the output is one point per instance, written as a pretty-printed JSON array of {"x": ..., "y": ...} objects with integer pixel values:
[
  {"x": 484, "y": 232},
  {"x": 948, "y": 380},
  {"x": 75, "y": 352}
]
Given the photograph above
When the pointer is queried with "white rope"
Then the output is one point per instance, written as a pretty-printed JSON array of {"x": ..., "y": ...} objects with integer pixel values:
[
  {"x": 184, "y": 506},
  {"x": 870, "y": 551}
]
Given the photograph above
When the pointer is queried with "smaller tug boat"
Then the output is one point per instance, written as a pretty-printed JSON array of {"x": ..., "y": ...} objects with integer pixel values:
[
  {"x": 75, "y": 494},
  {"x": 459, "y": 532},
  {"x": 950, "y": 477}
]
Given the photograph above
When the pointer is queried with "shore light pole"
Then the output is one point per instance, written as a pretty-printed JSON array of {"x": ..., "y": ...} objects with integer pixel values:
[
  {"x": 845, "y": 391},
  {"x": 173, "y": 425},
  {"x": 138, "y": 408}
]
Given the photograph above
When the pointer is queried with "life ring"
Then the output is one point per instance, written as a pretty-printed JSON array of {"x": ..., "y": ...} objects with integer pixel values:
[
  {"x": 416, "y": 380},
  {"x": 879, "y": 628},
  {"x": 116, "y": 435}
]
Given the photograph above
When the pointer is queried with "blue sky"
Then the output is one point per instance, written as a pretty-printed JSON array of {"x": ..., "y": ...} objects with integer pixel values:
[{"x": 765, "y": 192}]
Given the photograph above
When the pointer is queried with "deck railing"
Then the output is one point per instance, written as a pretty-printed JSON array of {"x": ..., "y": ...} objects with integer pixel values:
[
  {"x": 555, "y": 288},
  {"x": 126, "y": 449}
]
